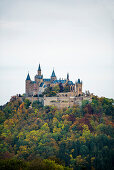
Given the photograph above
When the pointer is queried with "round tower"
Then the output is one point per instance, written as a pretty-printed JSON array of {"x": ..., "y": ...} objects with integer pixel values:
[{"x": 27, "y": 88}]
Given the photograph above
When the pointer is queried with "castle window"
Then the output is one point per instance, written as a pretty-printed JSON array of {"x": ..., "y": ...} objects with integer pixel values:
[{"x": 73, "y": 88}]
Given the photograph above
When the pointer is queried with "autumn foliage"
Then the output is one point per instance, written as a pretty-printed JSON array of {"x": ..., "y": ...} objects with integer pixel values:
[{"x": 45, "y": 137}]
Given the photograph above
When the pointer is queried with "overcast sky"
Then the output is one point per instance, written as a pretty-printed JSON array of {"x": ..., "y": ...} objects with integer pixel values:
[{"x": 75, "y": 36}]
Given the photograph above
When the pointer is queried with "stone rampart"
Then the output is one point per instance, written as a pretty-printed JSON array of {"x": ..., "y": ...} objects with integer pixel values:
[{"x": 61, "y": 102}]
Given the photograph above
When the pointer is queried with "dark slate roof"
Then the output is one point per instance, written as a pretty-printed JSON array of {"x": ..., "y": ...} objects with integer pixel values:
[
  {"x": 59, "y": 81},
  {"x": 70, "y": 83},
  {"x": 79, "y": 82},
  {"x": 45, "y": 86},
  {"x": 41, "y": 84},
  {"x": 39, "y": 68},
  {"x": 53, "y": 74},
  {"x": 46, "y": 80},
  {"x": 39, "y": 77},
  {"x": 33, "y": 82},
  {"x": 28, "y": 77},
  {"x": 62, "y": 81}
]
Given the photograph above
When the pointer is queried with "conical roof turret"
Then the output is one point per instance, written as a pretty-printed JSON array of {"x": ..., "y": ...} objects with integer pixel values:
[
  {"x": 28, "y": 77},
  {"x": 39, "y": 68},
  {"x": 53, "y": 74}
]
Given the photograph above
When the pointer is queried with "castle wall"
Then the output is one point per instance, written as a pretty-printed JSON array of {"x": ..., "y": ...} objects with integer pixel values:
[{"x": 61, "y": 102}]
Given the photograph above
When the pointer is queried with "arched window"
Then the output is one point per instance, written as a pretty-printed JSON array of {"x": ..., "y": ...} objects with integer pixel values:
[{"x": 71, "y": 88}]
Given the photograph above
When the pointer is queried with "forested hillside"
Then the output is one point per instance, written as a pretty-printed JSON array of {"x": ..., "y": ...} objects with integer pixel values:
[{"x": 40, "y": 137}]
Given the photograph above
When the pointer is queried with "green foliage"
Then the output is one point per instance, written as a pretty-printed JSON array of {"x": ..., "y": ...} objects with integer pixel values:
[
  {"x": 52, "y": 91},
  {"x": 27, "y": 103},
  {"x": 49, "y": 92},
  {"x": 61, "y": 87},
  {"x": 56, "y": 89},
  {"x": 13, "y": 164},
  {"x": 7, "y": 110},
  {"x": 37, "y": 164},
  {"x": 37, "y": 104},
  {"x": 103, "y": 105},
  {"x": 66, "y": 88},
  {"x": 2, "y": 116},
  {"x": 79, "y": 137}
]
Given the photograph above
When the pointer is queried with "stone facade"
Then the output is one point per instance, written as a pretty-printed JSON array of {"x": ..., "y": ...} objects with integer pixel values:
[
  {"x": 63, "y": 101},
  {"x": 38, "y": 86}
]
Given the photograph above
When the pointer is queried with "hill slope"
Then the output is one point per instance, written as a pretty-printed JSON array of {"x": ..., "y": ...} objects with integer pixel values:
[{"x": 78, "y": 137}]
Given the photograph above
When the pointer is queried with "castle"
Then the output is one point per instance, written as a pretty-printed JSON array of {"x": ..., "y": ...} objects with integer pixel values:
[
  {"x": 38, "y": 86},
  {"x": 70, "y": 95}
]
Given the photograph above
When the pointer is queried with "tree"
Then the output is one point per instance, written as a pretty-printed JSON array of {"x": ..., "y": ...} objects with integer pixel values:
[
  {"x": 66, "y": 88},
  {"x": 61, "y": 87},
  {"x": 27, "y": 103},
  {"x": 37, "y": 104},
  {"x": 56, "y": 88}
]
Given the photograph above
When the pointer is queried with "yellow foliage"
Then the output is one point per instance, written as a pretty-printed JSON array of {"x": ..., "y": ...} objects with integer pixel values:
[
  {"x": 80, "y": 161},
  {"x": 82, "y": 139},
  {"x": 72, "y": 150},
  {"x": 86, "y": 132},
  {"x": 92, "y": 159}
]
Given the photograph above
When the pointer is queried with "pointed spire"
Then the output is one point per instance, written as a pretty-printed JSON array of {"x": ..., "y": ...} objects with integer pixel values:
[
  {"x": 28, "y": 77},
  {"x": 39, "y": 68},
  {"x": 67, "y": 76},
  {"x": 53, "y": 73}
]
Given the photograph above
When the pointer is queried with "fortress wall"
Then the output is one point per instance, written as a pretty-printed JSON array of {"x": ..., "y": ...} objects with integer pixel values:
[
  {"x": 60, "y": 102},
  {"x": 63, "y": 105},
  {"x": 49, "y": 100},
  {"x": 68, "y": 94}
]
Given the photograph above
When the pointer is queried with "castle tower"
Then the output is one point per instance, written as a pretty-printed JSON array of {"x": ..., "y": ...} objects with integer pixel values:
[
  {"x": 27, "y": 88},
  {"x": 53, "y": 76},
  {"x": 39, "y": 70},
  {"x": 39, "y": 77},
  {"x": 79, "y": 87},
  {"x": 38, "y": 80}
]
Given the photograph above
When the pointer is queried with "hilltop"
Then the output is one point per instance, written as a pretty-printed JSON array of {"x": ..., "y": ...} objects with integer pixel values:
[{"x": 80, "y": 137}]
